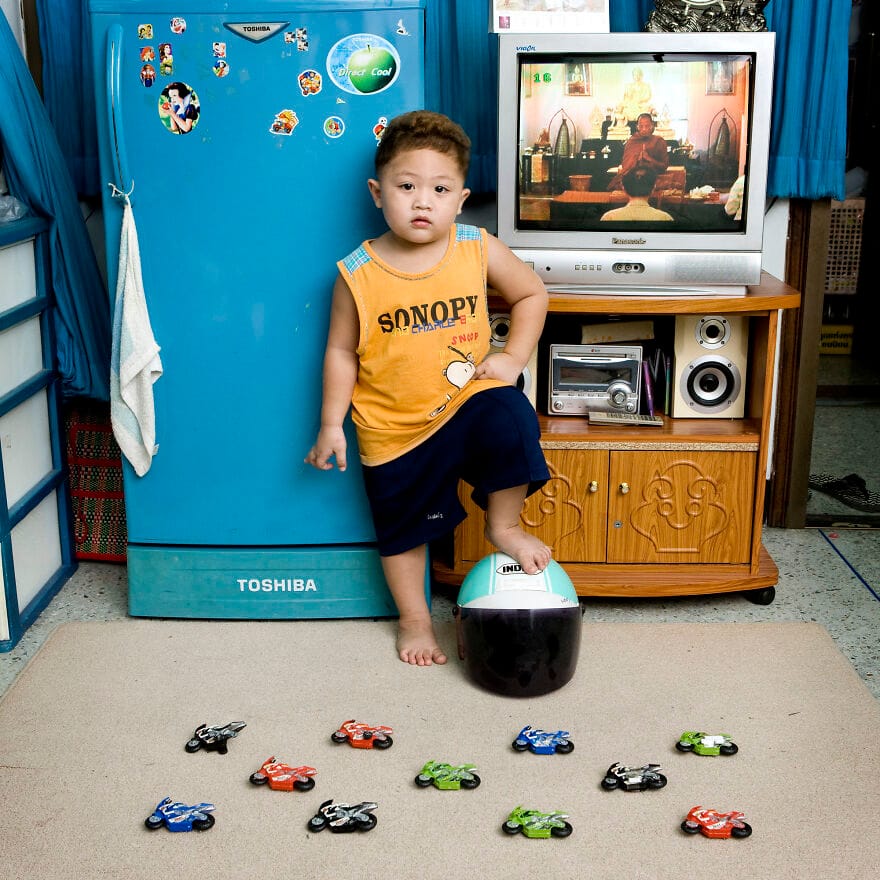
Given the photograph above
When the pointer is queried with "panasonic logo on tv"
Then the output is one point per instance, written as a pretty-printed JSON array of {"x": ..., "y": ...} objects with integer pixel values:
[{"x": 628, "y": 241}]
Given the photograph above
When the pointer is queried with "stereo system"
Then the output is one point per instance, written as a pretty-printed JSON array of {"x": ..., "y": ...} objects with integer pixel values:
[
  {"x": 594, "y": 378},
  {"x": 709, "y": 373},
  {"x": 499, "y": 330}
]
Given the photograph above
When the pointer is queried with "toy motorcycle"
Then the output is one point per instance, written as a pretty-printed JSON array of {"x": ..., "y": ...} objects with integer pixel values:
[
  {"x": 342, "y": 818},
  {"x": 534, "y": 823},
  {"x": 283, "y": 777},
  {"x": 213, "y": 739},
  {"x": 447, "y": 777},
  {"x": 542, "y": 742},
  {"x": 712, "y": 823},
  {"x": 633, "y": 778},
  {"x": 363, "y": 736},
  {"x": 176, "y": 816}
]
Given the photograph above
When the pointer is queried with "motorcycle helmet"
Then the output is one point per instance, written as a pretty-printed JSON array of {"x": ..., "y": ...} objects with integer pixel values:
[{"x": 518, "y": 634}]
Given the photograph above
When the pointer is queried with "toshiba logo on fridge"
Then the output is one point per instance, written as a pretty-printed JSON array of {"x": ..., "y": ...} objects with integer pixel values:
[{"x": 277, "y": 585}]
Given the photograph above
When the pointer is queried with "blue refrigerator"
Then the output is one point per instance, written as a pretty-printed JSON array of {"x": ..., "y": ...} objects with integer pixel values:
[{"x": 244, "y": 134}]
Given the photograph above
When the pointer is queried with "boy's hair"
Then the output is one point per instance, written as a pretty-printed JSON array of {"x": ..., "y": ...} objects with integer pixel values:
[
  {"x": 639, "y": 181},
  {"x": 424, "y": 130}
]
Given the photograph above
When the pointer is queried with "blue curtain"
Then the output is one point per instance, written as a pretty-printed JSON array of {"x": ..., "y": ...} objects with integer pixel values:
[
  {"x": 461, "y": 79},
  {"x": 37, "y": 174},
  {"x": 808, "y": 134},
  {"x": 808, "y": 139},
  {"x": 627, "y": 16},
  {"x": 68, "y": 87},
  {"x": 807, "y": 151}
]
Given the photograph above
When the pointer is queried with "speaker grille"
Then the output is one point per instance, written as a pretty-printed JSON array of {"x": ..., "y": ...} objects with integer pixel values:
[{"x": 710, "y": 384}]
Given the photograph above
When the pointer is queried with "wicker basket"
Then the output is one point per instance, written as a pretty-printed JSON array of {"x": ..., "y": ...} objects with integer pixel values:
[{"x": 844, "y": 246}]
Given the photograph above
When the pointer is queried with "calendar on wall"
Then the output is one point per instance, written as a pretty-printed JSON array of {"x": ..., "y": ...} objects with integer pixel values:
[{"x": 549, "y": 16}]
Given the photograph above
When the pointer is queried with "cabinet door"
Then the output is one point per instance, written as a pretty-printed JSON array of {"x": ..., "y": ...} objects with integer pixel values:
[
  {"x": 682, "y": 506},
  {"x": 568, "y": 513}
]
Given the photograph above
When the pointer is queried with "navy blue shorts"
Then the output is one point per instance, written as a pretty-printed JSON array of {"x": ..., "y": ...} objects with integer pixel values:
[{"x": 492, "y": 443}]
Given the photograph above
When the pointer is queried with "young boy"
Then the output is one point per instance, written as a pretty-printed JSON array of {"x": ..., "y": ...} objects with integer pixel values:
[{"x": 408, "y": 351}]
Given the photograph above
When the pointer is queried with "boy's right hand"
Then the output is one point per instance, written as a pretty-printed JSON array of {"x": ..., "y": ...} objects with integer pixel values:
[{"x": 331, "y": 442}]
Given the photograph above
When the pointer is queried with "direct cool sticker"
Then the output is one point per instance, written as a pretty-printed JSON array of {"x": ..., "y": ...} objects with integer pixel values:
[{"x": 363, "y": 64}]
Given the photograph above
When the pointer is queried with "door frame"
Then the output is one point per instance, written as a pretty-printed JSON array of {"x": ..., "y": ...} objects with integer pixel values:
[{"x": 806, "y": 258}]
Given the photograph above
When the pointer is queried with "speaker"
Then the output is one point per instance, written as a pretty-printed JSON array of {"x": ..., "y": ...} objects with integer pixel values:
[
  {"x": 499, "y": 329},
  {"x": 709, "y": 374}
]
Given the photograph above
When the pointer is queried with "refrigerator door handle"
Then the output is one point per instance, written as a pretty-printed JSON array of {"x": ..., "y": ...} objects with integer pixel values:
[{"x": 114, "y": 108}]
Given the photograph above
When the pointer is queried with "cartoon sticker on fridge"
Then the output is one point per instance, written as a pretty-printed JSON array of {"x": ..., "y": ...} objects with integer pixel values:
[
  {"x": 166, "y": 59},
  {"x": 179, "y": 108},
  {"x": 298, "y": 37},
  {"x": 363, "y": 64},
  {"x": 334, "y": 127},
  {"x": 310, "y": 82},
  {"x": 284, "y": 123}
]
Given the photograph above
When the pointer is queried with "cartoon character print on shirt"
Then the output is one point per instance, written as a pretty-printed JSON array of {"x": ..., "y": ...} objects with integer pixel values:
[{"x": 458, "y": 373}]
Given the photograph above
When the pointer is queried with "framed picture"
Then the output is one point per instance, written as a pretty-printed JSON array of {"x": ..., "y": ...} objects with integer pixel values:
[
  {"x": 549, "y": 16},
  {"x": 578, "y": 80},
  {"x": 719, "y": 78}
]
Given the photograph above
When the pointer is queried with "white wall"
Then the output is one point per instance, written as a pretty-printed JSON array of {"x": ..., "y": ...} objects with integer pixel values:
[
  {"x": 775, "y": 238},
  {"x": 12, "y": 9}
]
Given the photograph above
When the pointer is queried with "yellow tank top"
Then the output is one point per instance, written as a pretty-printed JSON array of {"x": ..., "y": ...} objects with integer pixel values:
[{"x": 421, "y": 338}]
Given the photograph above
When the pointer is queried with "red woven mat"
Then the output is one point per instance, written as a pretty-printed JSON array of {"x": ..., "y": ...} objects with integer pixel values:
[{"x": 96, "y": 489}]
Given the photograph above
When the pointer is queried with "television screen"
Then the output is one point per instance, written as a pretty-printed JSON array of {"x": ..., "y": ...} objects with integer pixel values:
[{"x": 652, "y": 143}]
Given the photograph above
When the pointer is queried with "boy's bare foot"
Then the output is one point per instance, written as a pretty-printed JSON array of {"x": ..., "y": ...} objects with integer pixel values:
[
  {"x": 530, "y": 552},
  {"x": 417, "y": 644}
]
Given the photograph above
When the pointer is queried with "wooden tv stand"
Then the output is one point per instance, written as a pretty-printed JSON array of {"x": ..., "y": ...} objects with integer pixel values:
[{"x": 645, "y": 511}]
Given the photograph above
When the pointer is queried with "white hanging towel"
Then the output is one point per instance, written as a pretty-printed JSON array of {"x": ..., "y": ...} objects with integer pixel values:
[{"x": 134, "y": 361}]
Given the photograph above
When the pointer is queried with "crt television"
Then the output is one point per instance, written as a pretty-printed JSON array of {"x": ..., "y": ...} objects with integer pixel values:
[{"x": 568, "y": 106}]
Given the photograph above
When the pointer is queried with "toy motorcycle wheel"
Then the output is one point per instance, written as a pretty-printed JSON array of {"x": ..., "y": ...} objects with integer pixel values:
[
  {"x": 683, "y": 746},
  {"x": 729, "y": 749},
  {"x": 204, "y": 824},
  {"x": 259, "y": 778},
  {"x": 384, "y": 742},
  {"x": 745, "y": 831},
  {"x": 304, "y": 784},
  {"x": 193, "y": 745},
  {"x": 690, "y": 827},
  {"x": 609, "y": 783},
  {"x": 562, "y": 831},
  {"x": 520, "y": 745},
  {"x": 511, "y": 828},
  {"x": 368, "y": 823},
  {"x": 154, "y": 822},
  {"x": 565, "y": 747},
  {"x": 317, "y": 823},
  {"x": 657, "y": 782},
  {"x": 423, "y": 780},
  {"x": 471, "y": 783},
  {"x": 338, "y": 736}
]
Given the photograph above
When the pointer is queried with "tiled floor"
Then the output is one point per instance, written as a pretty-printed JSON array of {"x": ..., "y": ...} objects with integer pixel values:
[
  {"x": 832, "y": 578},
  {"x": 845, "y": 427}
]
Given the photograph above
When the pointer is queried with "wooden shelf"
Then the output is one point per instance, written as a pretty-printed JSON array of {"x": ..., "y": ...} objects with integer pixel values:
[
  {"x": 771, "y": 294},
  {"x": 632, "y": 581},
  {"x": 673, "y": 510},
  {"x": 571, "y": 432}
]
